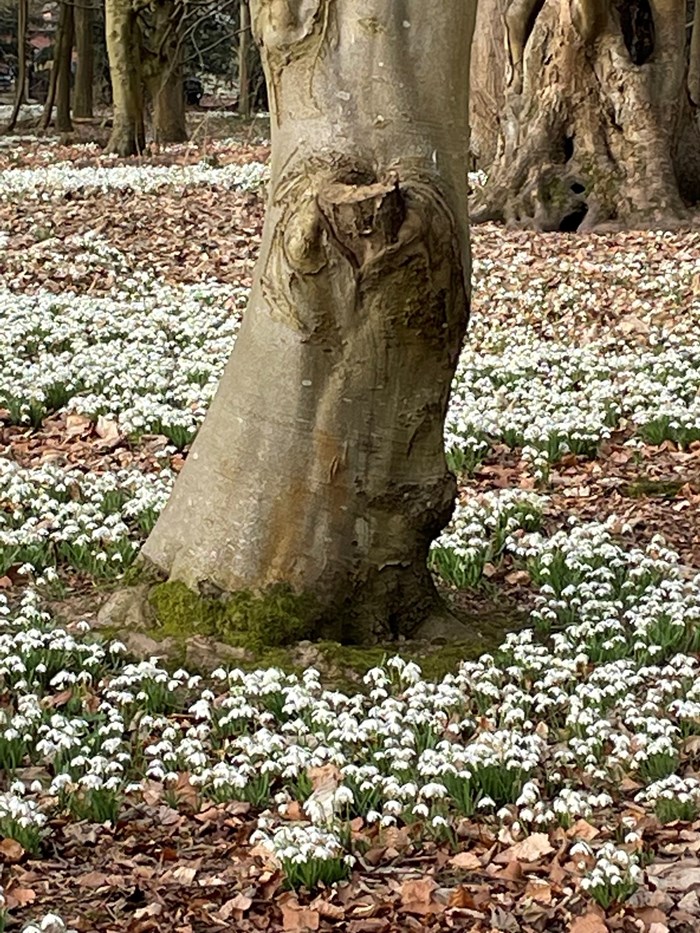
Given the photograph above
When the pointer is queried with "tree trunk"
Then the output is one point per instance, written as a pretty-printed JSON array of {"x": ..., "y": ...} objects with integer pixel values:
[
  {"x": 169, "y": 124},
  {"x": 598, "y": 123},
  {"x": 21, "y": 79},
  {"x": 124, "y": 51},
  {"x": 243, "y": 52},
  {"x": 82, "y": 96},
  {"x": 64, "y": 59},
  {"x": 59, "y": 79},
  {"x": 488, "y": 71},
  {"x": 162, "y": 53},
  {"x": 320, "y": 464}
]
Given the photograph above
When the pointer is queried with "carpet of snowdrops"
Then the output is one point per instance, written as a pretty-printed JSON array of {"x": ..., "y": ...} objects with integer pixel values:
[{"x": 576, "y": 740}]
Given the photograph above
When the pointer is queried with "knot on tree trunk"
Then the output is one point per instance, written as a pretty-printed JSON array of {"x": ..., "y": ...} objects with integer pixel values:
[
  {"x": 343, "y": 234},
  {"x": 281, "y": 24},
  {"x": 363, "y": 220}
]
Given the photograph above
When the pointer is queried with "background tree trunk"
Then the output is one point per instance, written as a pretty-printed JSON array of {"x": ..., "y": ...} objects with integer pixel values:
[
  {"x": 58, "y": 53},
  {"x": 321, "y": 462},
  {"x": 124, "y": 51},
  {"x": 82, "y": 96},
  {"x": 597, "y": 124},
  {"x": 63, "y": 62},
  {"x": 488, "y": 76},
  {"x": 243, "y": 53},
  {"x": 21, "y": 79},
  {"x": 163, "y": 69}
]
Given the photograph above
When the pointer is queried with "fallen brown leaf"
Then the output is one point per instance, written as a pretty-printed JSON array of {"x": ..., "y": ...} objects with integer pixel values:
[
  {"x": 235, "y": 907},
  {"x": 582, "y": 829},
  {"x": 297, "y": 919},
  {"x": 462, "y": 898},
  {"x": 539, "y": 891},
  {"x": 417, "y": 896},
  {"x": 11, "y": 850},
  {"x": 466, "y": 861},
  {"x": 92, "y": 879},
  {"x": 20, "y": 897},
  {"x": 530, "y": 849},
  {"x": 589, "y": 923}
]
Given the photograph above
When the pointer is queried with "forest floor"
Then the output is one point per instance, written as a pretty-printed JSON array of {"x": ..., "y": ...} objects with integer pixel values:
[{"x": 551, "y": 784}]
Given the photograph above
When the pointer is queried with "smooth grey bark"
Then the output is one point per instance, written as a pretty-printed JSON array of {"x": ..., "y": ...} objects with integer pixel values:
[{"x": 321, "y": 464}]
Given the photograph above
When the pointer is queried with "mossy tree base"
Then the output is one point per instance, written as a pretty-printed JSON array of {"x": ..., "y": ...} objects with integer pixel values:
[{"x": 170, "y": 622}]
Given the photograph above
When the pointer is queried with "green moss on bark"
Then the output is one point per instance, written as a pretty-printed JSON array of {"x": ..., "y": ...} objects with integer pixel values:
[{"x": 254, "y": 621}]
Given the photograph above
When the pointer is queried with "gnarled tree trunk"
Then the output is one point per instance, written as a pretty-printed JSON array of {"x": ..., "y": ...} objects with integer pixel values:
[
  {"x": 321, "y": 462},
  {"x": 598, "y": 123},
  {"x": 124, "y": 51},
  {"x": 82, "y": 92}
]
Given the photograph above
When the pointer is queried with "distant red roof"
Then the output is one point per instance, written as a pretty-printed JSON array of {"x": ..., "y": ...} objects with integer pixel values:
[{"x": 40, "y": 42}]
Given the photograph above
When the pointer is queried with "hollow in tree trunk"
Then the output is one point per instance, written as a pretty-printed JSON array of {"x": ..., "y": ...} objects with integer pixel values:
[
  {"x": 598, "y": 124},
  {"x": 82, "y": 92},
  {"x": 321, "y": 464},
  {"x": 162, "y": 63},
  {"x": 124, "y": 52}
]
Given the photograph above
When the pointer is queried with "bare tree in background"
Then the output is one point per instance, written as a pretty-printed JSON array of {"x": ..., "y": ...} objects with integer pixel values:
[
  {"x": 85, "y": 68},
  {"x": 60, "y": 79},
  {"x": 21, "y": 77}
]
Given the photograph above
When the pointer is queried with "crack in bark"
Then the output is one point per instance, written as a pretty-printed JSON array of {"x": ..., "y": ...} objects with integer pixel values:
[{"x": 638, "y": 29}]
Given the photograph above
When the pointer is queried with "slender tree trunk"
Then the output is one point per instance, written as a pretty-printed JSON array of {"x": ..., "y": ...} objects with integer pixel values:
[
  {"x": 163, "y": 70},
  {"x": 59, "y": 56},
  {"x": 243, "y": 54},
  {"x": 21, "y": 79},
  {"x": 597, "y": 123},
  {"x": 321, "y": 462},
  {"x": 124, "y": 51},
  {"x": 63, "y": 73},
  {"x": 82, "y": 97}
]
